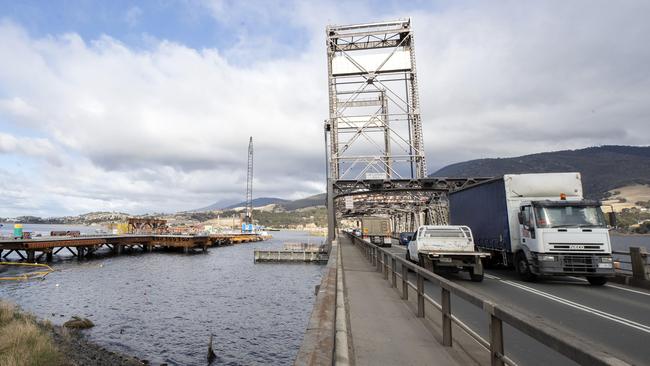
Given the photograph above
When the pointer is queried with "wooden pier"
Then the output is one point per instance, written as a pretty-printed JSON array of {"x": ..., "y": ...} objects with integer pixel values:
[{"x": 33, "y": 250}]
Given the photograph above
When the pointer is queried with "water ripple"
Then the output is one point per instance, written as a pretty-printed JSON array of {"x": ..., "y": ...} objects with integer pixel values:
[{"x": 163, "y": 306}]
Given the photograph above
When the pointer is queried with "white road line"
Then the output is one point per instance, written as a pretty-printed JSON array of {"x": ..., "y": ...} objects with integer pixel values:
[
  {"x": 629, "y": 290},
  {"x": 491, "y": 276},
  {"x": 602, "y": 314},
  {"x": 617, "y": 287}
]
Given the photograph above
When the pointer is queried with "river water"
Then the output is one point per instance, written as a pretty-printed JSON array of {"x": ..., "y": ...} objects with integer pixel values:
[{"x": 163, "y": 306}]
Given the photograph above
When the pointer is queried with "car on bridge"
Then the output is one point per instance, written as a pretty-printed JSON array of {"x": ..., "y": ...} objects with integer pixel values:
[
  {"x": 405, "y": 237},
  {"x": 448, "y": 248}
]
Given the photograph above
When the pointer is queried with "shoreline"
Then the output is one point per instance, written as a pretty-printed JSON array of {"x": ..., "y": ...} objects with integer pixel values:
[{"x": 57, "y": 345}]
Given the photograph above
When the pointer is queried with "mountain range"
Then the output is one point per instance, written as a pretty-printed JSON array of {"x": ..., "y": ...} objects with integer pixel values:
[{"x": 287, "y": 205}]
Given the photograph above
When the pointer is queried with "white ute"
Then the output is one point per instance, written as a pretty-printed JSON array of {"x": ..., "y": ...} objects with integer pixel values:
[{"x": 449, "y": 248}]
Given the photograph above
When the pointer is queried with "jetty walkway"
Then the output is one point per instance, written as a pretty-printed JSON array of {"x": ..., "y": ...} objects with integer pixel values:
[{"x": 84, "y": 246}]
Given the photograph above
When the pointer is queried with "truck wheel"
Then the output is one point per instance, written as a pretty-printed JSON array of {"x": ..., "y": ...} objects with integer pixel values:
[
  {"x": 475, "y": 277},
  {"x": 523, "y": 268},
  {"x": 597, "y": 281}
]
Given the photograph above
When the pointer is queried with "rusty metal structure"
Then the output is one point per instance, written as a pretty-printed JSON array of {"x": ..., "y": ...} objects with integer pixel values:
[
  {"x": 374, "y": 142},
  {"x": 139, "y": 225},
  {"x": 85, "y": 246}
]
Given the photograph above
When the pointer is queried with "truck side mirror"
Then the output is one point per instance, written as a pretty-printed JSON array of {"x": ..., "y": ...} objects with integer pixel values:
[
  {"x": 612, "y": 218},
  {"x": 520, "y": 216}
]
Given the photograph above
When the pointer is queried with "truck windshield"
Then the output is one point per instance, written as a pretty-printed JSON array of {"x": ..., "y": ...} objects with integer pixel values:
[
  {"x": 437, "y": 233},
  {"x": 569, "y": 216}
]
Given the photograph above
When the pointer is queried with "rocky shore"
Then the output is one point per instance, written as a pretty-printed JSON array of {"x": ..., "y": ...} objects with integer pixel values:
[
  {"x": 26, "y": 340},
  {"x": 77, "y": 350}
]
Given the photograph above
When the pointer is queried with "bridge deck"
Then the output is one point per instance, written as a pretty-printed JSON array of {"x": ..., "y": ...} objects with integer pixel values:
[{"x": 385, "y": 331}]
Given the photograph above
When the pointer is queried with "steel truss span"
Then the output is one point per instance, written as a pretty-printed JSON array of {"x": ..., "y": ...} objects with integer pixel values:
[
  {"x": 409, "y": 202},
  {"x": 376, "y": 163},
  {"x": 374, "y": 117}
]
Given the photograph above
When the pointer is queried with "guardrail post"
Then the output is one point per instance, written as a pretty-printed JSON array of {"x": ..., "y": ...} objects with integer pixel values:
[
  {"x": 445, "y": 300},
  {"x": 638, "y": 259},
  {"x": 379, "y": 259},
  {"x": 420, "y": 288},
  {"x": 393, "y": 265},
  {"x": 385, "y": 266},
  {"x": 496, "y": 341},
  {"x": 405, "y": 285}
]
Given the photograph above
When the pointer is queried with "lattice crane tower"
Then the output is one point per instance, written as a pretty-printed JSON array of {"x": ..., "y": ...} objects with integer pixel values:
[
  {"x": 248, "y": 219},
  {"x": 374, "y": 117}
]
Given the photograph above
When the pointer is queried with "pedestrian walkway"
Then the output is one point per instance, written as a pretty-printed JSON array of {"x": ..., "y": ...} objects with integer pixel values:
[{"x": 385, "y": 330}]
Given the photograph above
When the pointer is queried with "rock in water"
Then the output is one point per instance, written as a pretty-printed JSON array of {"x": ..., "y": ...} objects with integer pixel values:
[
  {"x": 211, "y": 355},
  {"x": 79, "y": 323}
]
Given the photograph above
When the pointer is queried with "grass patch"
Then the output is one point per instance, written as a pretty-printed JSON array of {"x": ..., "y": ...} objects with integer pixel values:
[{"x": 24, "y": 341}]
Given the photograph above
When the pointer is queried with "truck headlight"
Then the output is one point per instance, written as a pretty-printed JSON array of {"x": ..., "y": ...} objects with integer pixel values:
[
  {"x": 606, "y": 259},
  {"x": 547, "y": 258}
]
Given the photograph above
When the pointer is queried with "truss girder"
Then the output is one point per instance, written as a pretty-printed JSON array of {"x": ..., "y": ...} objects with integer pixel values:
[{"x": 374, "y": 97}]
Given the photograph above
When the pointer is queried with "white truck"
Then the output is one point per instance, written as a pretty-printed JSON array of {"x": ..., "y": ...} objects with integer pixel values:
[
  {"x": 540, "y": 224},
  {"x": 446, "y": 248}
]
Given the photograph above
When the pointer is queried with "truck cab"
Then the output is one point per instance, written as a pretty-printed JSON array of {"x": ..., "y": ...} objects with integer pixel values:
[{"x": 560, "y": 237}]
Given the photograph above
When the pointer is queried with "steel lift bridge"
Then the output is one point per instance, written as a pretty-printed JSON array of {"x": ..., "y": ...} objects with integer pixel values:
[{"x": 374, "y": 143}]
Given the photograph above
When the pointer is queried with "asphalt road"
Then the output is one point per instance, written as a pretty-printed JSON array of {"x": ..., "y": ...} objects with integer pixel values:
[{"x": 613, "y": 317}]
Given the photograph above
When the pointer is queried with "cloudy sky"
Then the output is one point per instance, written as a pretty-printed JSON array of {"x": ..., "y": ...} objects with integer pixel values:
[{"x": 147, "y": 106}]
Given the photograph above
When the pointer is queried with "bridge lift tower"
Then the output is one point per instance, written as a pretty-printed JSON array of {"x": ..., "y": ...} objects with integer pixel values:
[{"x": 376, "y": 162}]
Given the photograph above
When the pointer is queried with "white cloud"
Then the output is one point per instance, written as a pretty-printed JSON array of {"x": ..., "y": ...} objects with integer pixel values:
[{"x": 166, "y": 128}]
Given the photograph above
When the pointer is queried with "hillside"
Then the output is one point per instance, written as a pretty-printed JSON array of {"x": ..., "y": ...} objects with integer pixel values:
[
  {"x": 603, "y": 168},
  {"x": 311, "y": 201},
  {"x": 259, "y": 202},
  {"x": 288, "y": 205}
]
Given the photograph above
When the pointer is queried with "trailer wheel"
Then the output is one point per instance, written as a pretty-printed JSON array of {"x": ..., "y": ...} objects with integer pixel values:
[
  {"x": 597, "y": 281},
  {"x": 523, "y": 268}
]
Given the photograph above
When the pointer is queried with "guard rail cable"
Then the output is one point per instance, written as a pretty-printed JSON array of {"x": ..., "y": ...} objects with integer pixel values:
[{"x": 561, "y": 341}]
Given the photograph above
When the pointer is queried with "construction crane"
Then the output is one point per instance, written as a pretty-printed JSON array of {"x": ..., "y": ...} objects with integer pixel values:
[{"x": 248, "y": 219}]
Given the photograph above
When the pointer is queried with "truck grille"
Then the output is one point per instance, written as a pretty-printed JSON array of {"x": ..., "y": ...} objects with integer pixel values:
[
  {"x": 577, "y": 247},
  {"x": 577, "y": 263}
]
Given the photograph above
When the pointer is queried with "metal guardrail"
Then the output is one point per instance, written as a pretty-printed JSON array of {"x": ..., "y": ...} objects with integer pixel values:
[
  {"x": 562, "y": 342},
  {"x": 637, "y": 267}
]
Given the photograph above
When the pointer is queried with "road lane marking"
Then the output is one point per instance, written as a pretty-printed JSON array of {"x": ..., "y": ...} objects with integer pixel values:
[
  {"x": 617, "y": 287},
  {"x": 491, "y": 276},
  {"x": 629, "y": 290},
  {"x": 602, "y": 314}
]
